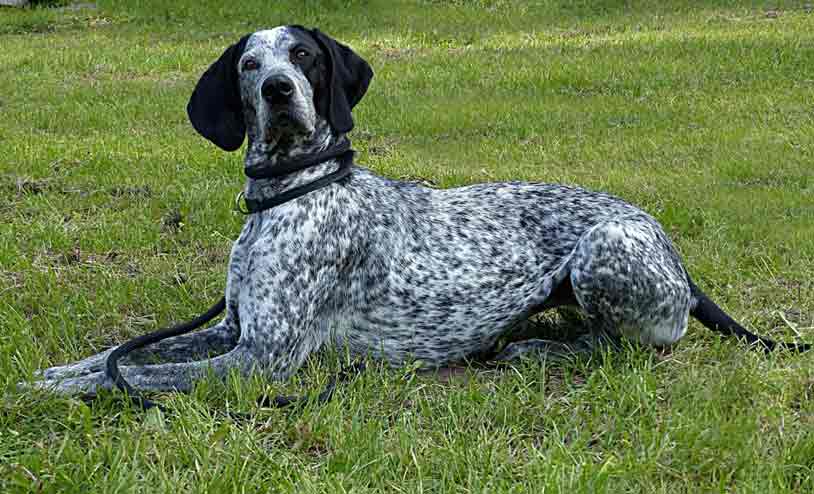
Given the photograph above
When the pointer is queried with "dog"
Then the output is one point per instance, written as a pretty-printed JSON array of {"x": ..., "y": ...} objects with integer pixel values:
[{"x": 389, "y": 269}]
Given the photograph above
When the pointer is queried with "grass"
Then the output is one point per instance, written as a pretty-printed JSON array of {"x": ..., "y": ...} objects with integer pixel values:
[{"x": 116, "y": 219}]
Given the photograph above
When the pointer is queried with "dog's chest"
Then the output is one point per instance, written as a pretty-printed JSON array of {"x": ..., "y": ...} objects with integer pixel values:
[{"x": 296, "y": 243}]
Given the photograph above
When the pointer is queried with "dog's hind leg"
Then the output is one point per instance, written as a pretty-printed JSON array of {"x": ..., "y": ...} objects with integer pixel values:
[
  {"x": 628, "y": 279},
  {"x": 198, "y": 345},
  {"x": 627, "y": 276}
]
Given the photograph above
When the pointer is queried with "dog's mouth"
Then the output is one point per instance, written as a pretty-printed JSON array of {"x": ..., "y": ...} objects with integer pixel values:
[
  {"x": 285, "y": 121},
  {"x": 281, "y": 113},
  {"x": 259, "y": 161}
]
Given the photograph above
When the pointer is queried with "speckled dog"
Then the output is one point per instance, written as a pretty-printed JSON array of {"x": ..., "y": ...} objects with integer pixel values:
[{"x": 391, "y": 269}]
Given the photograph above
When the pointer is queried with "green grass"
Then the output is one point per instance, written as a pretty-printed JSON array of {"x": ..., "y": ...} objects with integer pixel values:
[{"x": 701, "y": 113}]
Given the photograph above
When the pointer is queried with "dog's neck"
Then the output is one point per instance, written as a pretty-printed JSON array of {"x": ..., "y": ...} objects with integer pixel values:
[{"x": 284, "y": 150}]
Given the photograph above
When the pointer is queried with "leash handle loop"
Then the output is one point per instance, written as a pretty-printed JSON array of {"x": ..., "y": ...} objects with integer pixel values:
[{"x": 239, "y": 205}]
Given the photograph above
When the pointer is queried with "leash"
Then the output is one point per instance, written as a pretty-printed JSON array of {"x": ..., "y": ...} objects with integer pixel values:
[
  {"x": 265, "y": 169},
  {"x": 112, "y": 362}
]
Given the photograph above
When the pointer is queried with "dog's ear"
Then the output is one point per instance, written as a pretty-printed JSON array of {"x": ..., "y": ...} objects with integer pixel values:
[
  {"x": 348, "y": 77},
  {"x": 215, "y": 108}
]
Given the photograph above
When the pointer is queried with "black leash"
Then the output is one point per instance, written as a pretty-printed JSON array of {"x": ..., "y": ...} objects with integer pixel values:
[
  {"x": 346, "y": 373},
  {"x": 112, "y": 362},
  {"x": 265, "y": 169}
]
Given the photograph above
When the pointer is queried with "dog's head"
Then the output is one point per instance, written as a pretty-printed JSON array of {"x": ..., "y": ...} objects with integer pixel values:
[{"x": 278, "y": 85}]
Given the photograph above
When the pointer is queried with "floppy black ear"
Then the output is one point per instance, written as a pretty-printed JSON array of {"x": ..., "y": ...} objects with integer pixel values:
[
  {"x": 214, "y": 108},
  {"x": 348, "y": 78}
]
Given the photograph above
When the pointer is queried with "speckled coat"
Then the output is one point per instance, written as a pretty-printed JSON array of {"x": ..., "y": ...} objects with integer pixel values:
[{"x": 389, "y": 269}]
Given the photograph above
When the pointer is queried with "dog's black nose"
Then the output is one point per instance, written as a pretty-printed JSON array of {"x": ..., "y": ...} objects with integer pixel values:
[{"x": 277, "y": 89}]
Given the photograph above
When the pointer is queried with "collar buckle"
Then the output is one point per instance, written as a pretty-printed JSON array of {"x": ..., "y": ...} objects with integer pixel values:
[{"x": 240, "y": 204}]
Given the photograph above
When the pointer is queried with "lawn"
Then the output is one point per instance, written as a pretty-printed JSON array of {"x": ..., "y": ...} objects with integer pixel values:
[{"x": 116, "y": 218}]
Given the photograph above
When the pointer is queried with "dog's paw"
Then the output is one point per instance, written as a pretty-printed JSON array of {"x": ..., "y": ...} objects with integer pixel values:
[{"x": 87, "y": 384}]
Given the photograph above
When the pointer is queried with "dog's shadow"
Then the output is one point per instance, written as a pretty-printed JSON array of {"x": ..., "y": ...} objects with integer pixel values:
[
  {"x": 561, "y": 325},
  {"x": 564, "y": 324}
]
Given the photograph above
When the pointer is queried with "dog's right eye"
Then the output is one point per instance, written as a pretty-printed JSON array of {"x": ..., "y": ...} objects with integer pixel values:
[{"x": 251, "y": 65}]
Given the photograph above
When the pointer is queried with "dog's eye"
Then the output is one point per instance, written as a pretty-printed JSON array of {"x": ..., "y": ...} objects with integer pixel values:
[
  {"x": 251, "y": 65},
  {"x": 301, "y": 54}
]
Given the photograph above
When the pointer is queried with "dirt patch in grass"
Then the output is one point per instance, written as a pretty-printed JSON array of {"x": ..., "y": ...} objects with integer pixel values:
[
  {"x": 392, "y": 54},
  {"x": 11, "y": 280},
  {"x": 172, "y": 221},
  {"x": 130, "y": 191},
  {"x": 21, "y": 186},
  {"x": 51, "y": 259}
]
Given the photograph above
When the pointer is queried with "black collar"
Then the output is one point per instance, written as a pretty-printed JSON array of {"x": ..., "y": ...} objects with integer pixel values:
[{"x": 340, "y": 150}]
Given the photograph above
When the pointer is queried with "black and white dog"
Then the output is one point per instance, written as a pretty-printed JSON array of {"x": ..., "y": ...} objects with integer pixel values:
[{"x": 391, "y": 269}]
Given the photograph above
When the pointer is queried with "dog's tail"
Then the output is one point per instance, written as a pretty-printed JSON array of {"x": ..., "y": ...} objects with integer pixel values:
[{"x": 714, "y": 318}]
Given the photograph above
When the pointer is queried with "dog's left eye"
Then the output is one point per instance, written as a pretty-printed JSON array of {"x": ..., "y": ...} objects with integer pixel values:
[
  {"x": 301, "y": 54},
  {"x": 250, "y": 65}
]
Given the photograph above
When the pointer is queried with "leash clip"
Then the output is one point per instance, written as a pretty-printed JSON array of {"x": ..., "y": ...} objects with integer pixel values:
[{"x": 240, "y": 204}]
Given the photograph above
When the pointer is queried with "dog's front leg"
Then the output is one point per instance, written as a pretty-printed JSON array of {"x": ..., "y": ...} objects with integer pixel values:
[
  {"x": 190, "y": 347},
  {"x": 273, "y": 345},
  {"x": 195, "y": 346},
  {"x": 161, "y": 377},
  {"x": 283, "y": 313},
  {"x": 280, "y": 326}
]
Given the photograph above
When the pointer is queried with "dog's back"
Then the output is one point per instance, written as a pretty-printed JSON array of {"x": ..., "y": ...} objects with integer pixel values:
[{"x": 447, "y": 271}]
